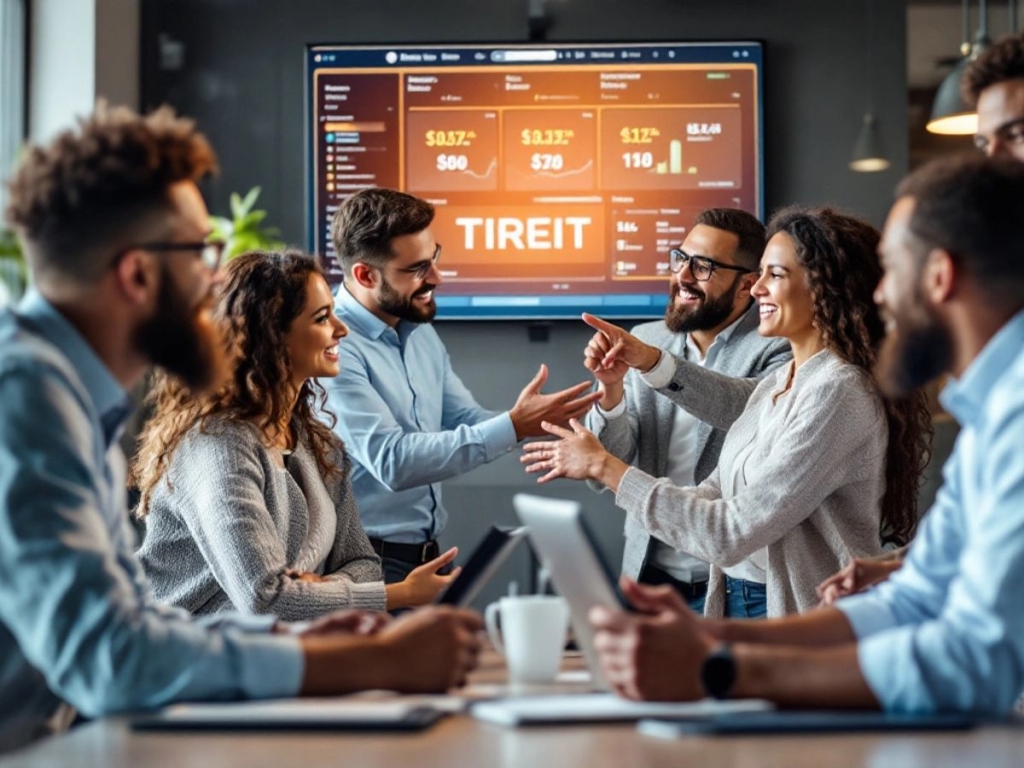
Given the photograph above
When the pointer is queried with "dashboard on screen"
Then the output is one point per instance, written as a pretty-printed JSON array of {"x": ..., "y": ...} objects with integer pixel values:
[{"x": 561, "y": 174}]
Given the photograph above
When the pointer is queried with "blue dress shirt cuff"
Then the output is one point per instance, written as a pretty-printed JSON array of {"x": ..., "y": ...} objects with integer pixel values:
[
  {"x": 498, "y": 435},
  {"x": 867, "y": 613},
  {"x": 272, "y": 665}
]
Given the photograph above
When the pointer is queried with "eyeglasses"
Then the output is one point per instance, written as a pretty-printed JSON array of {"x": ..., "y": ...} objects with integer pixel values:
[
  {"x": 700, "y": 266},
  {"x": 420, "y": 271},
  {"x": 211, "y": 254},
  {"x": 1011, "y": 133}
]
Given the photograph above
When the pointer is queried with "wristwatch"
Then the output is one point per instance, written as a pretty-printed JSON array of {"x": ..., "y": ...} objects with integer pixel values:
[{"x": 718, "y": 672}]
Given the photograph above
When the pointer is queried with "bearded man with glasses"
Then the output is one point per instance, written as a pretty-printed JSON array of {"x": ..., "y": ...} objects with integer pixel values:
[{"x": 671, "y": 389}]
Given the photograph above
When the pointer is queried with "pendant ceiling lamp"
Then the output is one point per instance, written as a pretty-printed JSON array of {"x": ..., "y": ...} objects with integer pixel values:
[
  {"x": 869, "y": 152},
  {"x": 950, "y": 113}
]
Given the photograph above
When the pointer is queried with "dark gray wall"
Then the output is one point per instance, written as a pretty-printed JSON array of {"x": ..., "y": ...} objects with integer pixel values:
[{"x": 241, "y": 76}]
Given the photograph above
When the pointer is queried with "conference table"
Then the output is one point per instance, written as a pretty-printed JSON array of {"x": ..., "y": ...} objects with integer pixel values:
[{"x": 459, "y": 741}]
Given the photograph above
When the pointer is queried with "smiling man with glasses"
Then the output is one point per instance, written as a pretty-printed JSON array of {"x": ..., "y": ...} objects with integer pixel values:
[
  {"x": 671, "y": 389},
  {"x": 407, "y": 420}
]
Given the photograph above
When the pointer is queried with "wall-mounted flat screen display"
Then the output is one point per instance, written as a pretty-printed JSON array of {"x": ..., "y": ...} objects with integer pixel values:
[{"x": 562, "y": 174}]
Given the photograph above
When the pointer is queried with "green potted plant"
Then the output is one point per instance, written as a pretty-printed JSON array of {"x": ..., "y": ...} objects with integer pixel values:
[
  {"x": 13, "y": 270},
  {"x": 244, "y": 231}
]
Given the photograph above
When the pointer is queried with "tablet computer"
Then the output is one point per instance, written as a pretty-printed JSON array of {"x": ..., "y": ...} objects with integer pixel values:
[
  {"x": 568, "y": 550},
  {"x": 483, "y": 563},
  {"x": 811, "y": 721}
]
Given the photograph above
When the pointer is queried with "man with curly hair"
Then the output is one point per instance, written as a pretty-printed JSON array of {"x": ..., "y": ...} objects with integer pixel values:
[
  {"x": 115, "y": 229},
  {"x": 994, "y": 84}
]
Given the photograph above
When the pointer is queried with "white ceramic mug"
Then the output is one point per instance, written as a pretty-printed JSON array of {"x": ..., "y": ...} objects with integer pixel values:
[{"x": 532, "y": 637}]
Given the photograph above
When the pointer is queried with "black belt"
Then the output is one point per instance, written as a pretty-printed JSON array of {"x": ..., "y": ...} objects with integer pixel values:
[
  {"x": 407, "y": 553},
  {"x": 655, "y": 576}
]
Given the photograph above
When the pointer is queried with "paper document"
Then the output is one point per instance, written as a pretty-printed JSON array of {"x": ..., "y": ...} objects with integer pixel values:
[{"x": 601, "y": 707}]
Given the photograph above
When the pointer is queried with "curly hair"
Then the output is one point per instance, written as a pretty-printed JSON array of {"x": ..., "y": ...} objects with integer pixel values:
[
  {"x": 840, "y": 255},
  {"x": 262, "y": 295},
  {"x": 96, "y": 188},
  {"x": 1000, "y": 62}
]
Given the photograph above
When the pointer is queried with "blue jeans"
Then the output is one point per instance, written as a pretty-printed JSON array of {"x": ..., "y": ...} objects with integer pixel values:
[{"x": 745, "y": 599}]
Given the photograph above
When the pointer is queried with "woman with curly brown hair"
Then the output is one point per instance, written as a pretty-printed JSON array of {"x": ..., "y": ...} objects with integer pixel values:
[
  {"x": 818, "y": 467},
  {"x": 245, "y": 493}
]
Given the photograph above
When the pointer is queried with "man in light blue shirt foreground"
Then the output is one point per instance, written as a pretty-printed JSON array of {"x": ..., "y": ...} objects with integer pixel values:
[
  {"x": 114, "y": 229},
  {"x": 946, "y": 632},
  {"x": 407, "y": 420}
]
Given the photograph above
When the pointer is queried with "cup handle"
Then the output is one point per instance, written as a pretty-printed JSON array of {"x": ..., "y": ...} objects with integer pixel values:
[{"x": 491, "y": 622}]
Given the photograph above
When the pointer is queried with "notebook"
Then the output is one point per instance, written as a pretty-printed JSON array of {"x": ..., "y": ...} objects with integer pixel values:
[{"x": 293, "y": 714}]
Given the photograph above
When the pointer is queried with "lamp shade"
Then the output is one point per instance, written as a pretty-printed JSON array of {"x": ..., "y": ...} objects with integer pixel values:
[
  {"x": 869, "y": 152},
  {"x": 950, "y": 114}
]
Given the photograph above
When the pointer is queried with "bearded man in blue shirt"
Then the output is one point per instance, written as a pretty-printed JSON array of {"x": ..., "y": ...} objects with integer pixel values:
[
  {"x": 407, "y": 420},
  {"x": 114, "y": 229},
  {"x": 945, "y": 632}
]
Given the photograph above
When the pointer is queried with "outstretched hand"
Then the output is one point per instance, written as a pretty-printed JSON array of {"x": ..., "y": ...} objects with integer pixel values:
[
  {"x": 423, "y": 583},
  {"x": 856, "y": 576},
  {"x": 533, "y": 407},
  {"x": 578, "y": 455}
]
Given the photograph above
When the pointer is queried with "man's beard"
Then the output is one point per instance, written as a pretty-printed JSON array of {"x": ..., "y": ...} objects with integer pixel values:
[
  {"x": 706, "y": 315},
  {"x": 916, "y": 351},
  {"x": 183, "y": 339},
  {"x": 394, "y": 304}
]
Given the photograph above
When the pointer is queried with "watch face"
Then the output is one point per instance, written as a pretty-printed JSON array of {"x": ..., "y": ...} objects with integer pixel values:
[{"x": 718, "y": 673}]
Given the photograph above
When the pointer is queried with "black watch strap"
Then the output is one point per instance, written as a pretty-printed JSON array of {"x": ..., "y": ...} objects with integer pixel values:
[{"x": 718, "y": 672}]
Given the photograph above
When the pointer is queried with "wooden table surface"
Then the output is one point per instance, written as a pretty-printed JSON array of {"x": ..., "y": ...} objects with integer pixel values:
[{"x": 462, "y": 742}]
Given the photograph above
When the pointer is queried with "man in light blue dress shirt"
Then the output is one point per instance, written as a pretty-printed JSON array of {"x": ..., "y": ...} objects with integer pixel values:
[
  {"x": 407, "y": 420},
  {"x": 114, "y": 229},
  {"x": 946, "y": 632}
]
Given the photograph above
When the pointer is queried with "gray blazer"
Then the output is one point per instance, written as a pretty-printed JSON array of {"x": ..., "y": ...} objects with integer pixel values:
[{"x": 716, "y": 396}]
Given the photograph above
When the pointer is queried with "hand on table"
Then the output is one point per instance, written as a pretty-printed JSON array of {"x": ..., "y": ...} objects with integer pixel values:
[
  {"x": 356, "y": 622},
  {"x": 432, "y": 649},
  {"x": 654, "y": 655}
]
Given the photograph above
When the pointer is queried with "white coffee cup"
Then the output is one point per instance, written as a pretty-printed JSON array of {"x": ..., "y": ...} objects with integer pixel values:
[{"x": 532, "y": 638}]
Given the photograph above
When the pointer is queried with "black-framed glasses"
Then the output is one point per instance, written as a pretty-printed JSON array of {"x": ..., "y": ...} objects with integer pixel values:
[
  {"x": 211, "y": 254},
  {"x": 421, "y": 271},
  {"x": 701, "y": 267}
]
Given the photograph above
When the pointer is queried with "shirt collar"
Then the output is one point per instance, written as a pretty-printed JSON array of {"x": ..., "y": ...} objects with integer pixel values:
[
  {"x": 722, "y": 337},
  {"x": 965, "y": 397},
  {"x": 108, "y": 396},
  {"x": 358, "y": 316}
]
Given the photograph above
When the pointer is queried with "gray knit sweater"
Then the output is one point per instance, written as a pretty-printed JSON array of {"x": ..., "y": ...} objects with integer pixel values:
[
  {"x": 802, "y": 476},
  {"x": 226, "y": 521}
]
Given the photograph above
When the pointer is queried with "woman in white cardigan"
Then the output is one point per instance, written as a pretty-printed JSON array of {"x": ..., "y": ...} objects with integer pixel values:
[{"x": 818, "y": 468}]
